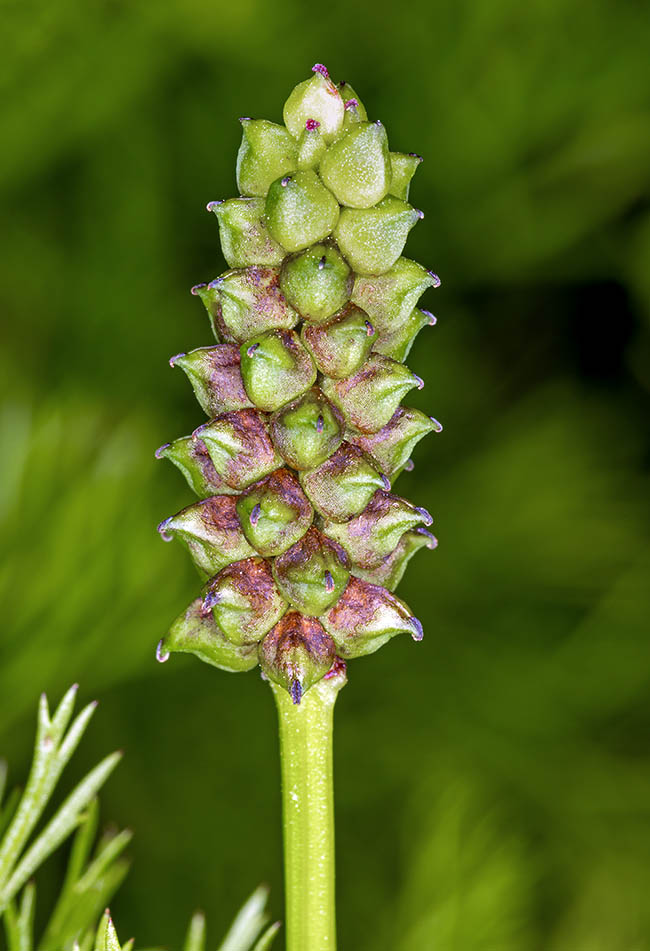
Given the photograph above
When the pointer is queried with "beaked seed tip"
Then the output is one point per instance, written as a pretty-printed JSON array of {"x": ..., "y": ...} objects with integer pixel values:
[
  {"x": 162, "y": 530},
  {"x": 210, "y": 599},
  {"x": 432, "y": 541},
  {"x": 161, "y": 654},
  {"x": 418, "y": 630}
]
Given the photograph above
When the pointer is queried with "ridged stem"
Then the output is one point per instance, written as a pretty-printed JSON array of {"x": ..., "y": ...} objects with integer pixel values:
[{"x": 308, "y": 814}]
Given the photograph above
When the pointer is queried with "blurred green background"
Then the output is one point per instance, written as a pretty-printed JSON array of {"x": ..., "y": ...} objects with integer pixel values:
[{"x": 493, "y": 783}]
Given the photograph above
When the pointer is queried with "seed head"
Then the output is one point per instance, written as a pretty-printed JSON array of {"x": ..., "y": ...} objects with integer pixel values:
[{"x": 298, "y": 535}]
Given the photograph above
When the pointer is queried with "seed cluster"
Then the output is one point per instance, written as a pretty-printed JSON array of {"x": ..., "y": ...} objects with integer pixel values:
[{"x": 297, "y": 534}]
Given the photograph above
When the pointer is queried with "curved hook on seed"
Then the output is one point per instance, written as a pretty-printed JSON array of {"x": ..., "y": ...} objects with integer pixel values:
[
  {"x": 426, "y": 516},
  {"x": 418, "y": 630},
  {"x": 162, "y": 530}
]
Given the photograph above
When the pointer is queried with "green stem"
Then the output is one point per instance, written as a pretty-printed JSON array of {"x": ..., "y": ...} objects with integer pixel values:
[{"x": 308, "y": 814}]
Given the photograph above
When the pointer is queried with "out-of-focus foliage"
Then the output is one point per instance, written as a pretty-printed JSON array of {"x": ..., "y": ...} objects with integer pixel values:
[
  {"x": 492, "y": 782},
  {"x": 92, "y": 875}
]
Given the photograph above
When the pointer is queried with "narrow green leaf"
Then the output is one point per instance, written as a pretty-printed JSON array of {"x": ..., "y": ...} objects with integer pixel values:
[
  {"x": 266, "y": 940},
  {"x": 9, "y": 810},
  {"x": 86, "y": 943},
  {"x": 106, "y": 856},
  {"x": 26, "y": 918},
  {"x": 49, "y": 760},
  {"x": 59, "y": 826},
  {"x": 74, "y": 734},
  {"x": 63, "y": 712},
  {"x": 248, "y": 923},
  {"x": 43, "y": 723},
  {"x": 19, "y": 925},
  {"x": 106, "y": 939},
  {"x": 82, "y": 844},
  {"x": 195, "y": 939},
  {"x": 41, "y": 781},
  {"x": 12, "y": 928},
  {"x": 85, "y": 893}
]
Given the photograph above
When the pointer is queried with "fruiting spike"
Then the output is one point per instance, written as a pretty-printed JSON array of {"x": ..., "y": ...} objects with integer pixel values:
[{"x": 297, "y": 532}]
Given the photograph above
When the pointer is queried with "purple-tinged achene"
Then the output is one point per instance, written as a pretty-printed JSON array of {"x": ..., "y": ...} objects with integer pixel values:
[{"x": 298, "y": 534}]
